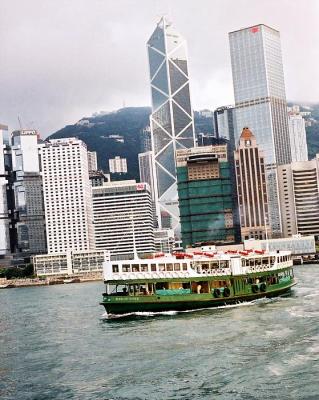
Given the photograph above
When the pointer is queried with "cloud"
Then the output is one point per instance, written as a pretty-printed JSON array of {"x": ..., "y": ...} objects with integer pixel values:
[{"x": 64, "y": 60}]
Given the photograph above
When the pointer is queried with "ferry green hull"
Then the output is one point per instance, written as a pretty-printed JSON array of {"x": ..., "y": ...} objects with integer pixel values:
[{"x": 182, "y": 302}]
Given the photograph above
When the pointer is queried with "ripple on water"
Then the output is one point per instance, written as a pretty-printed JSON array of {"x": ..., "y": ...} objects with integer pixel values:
[{"x": 55, "y": 345}]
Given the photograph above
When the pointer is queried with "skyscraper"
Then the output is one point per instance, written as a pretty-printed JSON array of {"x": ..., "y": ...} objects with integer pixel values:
[
  {"x": 205, "y": 195},
  {"x": 67, "y": 195},
  {"x": 298, "y": 139},
  {"x": 260, "y": 101},
  {"x": 224, "y": 123},
  {"x": 28, "y": 190},
  {"x": 172, "y": 124},
  {"x": 4, "y": 210},
  {"x": 251, "y": 187}
]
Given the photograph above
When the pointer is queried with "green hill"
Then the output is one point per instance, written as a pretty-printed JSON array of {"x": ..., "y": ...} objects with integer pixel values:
[{"x": 127, "y": 122}]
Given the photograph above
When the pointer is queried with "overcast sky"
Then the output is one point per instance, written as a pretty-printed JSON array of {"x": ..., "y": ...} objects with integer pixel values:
[{"x": 61, "y": 60}]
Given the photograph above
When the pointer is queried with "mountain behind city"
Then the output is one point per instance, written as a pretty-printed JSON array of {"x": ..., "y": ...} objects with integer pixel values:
[{"x": 119, "y": 133}]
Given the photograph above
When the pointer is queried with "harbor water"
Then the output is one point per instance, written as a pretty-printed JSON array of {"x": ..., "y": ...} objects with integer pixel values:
[{"x": 56, "y": 344}]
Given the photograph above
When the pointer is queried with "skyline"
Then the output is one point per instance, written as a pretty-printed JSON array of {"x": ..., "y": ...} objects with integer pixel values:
[{"x": 55, "y": 69}]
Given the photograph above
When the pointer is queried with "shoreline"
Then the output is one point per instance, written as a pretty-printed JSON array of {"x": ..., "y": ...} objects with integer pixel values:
[{"x": 32, "y": 282}]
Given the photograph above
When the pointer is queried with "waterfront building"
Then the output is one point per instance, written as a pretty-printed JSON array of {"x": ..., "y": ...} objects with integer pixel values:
[
  {"x": 5, "y": 217},
  {"x": 67, "y": 195},
  {"x": 124, "y": 218},
  {"x": 297, "y": 244},
  {"x": 298, "y": 139},
  {"x": 28, "y": 192},
  {"x": 164, "y": 240},
  {"x": 251, "y": 187},
  {"x": 118, "y": 165},
  {"x": 172, "y": 124},
  {"x": 205, "y": 195},
  {"x": 299, "y": 197},
  {"x": 97, "y": 178},
  {"x": 260, "y": 101},
  {"x": 92, "y": 161},
  {"x": 70, "y": 262},
  {"x": 224, "y": 121}
]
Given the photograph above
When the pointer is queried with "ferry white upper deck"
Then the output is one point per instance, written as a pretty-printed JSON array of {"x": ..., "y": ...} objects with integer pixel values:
[{"x": 196, "y": 264}]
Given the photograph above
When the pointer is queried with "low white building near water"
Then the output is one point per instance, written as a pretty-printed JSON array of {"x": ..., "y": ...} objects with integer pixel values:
[
  {"x": 70, "y": 262},
  {"x": 297, "y": 244}
]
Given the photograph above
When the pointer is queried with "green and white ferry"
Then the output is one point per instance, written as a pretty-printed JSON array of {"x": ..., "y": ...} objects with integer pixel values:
[{"x": 187, "y": 281}]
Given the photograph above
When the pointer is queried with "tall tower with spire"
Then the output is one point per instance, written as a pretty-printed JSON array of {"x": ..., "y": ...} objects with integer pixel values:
[{"x": 172, "y": 123}]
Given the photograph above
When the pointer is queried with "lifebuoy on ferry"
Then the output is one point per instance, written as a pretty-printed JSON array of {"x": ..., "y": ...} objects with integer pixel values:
[
  {"x": 226, "y": 292},
  {"x": 263, "y": 287},
  {"x": 217, "y": 292},
  {"x": 254, "y": 288}
]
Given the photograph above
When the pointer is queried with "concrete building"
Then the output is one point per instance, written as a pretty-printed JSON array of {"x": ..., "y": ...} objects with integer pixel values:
[
  {"x": 260, "y": 101},
  {"x": 224, "y": 124},
  {"x": 298, "y": 139},
  {"x": 164, "y": 240},
  {"x": 6, "y": 242},
  {"x": 118, "y": 165},
  {"x": 123, "y": 215},
  {"x": 70, "y": 263},
  {"x": 146, "y": 139},
  {"x": 28, "y": 190},
  {"x": 92, "y": 161},
  {"x": 98, "y": 178},
  {"x": 67, "y": 195},
  {"x": 172, "y": 123},
  {"x": 146, "y": 169},
  {"x": 205, "y": 195},
  {"x": 251, "y": 187},
  {"x": 296, "y": 244},
  {"x": 299, "y": 197}
]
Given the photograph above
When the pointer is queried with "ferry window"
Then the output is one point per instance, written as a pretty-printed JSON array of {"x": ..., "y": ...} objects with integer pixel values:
[
  {"x": 161, "y": 267},
  {"x": 223, "y": 264},
  {"x": 258, "y": 261},
  {"x": 272, "y": 261},
  {"x": 177, "y": 267},
  {"x": 251, "y": 262},
  {"x": 135, "y": 267},
  {"x": 144, "y": 268},
  {"x": 126, "y": 268},
  {"x": 265, "y": 261},
  {"x": 243, "y": 262},
  {"x": 184, "y": 267},
  {"x": 169, "y": 267},
  {"x": 153, "y": 267},
  {"x": 115, "y": 268},
  {"x": 204, "y": 267},
  {"x": 214, "y": 265}
]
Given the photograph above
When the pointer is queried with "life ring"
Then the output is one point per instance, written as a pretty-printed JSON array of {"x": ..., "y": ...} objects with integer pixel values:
[
  {"x": 263, "y": 287},
  {"x": 226, "y": 292},
  {"x": 254, "y": 288},
  {"x": 217, "y": 293}
]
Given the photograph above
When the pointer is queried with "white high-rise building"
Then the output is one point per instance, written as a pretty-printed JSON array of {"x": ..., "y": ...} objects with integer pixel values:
[
  {"x": 299, "y": 197},
  {"x": 172, "y": 123},
  {"x": 146, "y": 169},
  {"x": 67, "y": 195},
  {"x": 92, "y": 160},
  {"x": 30, "y": 225},
  {"x": 123, "y": 218},
  {"x": 260, "y": 101},
  {"x": 298, "y": 138},
  {"x": 4, "y": 217},
  {"x": 118, "y": 165}
]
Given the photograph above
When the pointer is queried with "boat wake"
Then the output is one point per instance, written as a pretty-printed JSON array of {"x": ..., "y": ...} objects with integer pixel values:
[{"x": 145, "y": 314}]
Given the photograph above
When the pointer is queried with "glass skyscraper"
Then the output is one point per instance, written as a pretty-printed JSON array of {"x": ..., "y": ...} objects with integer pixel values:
[
  {"x": 172, "y": 122},
  {"x": 260, "y": 101}
]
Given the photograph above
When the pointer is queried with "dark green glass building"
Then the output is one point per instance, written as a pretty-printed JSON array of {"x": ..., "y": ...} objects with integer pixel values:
[{"x": 205, "y": 196}]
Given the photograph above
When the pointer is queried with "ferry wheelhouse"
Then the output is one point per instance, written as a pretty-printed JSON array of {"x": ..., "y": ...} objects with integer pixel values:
[{"x": 188, "y": 281}]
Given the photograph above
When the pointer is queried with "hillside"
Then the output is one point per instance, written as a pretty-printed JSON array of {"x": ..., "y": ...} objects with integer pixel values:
[{"x": 127, "y": 123}]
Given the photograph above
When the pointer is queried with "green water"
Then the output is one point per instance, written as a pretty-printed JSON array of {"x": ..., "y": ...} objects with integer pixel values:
[{"x": 55, "y": 344}]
